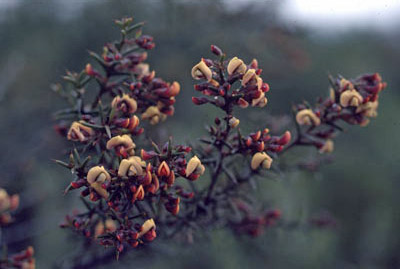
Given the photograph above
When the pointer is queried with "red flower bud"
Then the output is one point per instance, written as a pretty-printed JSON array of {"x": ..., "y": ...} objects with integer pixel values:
[
  {"x": 217, "y": 51},
  {"x": 89, "y": 70},
  {"x": 163, "y": 170},
  {"x": 260, "y": 146},
  {"x": 199, "y": 100},
  {"x": 285, "y": 138},
  {"x": 134, "y": 244},
  {"x": 150, "y": 235},
  {"x": 171, "y": 179},
  {"x": 265, "y": 87},
  {"x": 248, "y": 142},
  {"x": 147, "y": 155},
  {"x": 255, "y": 136}
]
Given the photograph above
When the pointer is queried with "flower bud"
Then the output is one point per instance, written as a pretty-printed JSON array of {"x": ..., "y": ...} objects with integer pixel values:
[
  {"x": 307, "y": 117},
  {"x": 139, "y": 194},
  {"x": 261, "y": 158},
  {"x": 163, "y": 170},
  {"x": 150, "y": 235},
  {"x": 242, "y": 103},
  {"x": 332, "y": 94},
  {"x": 123, "y": 145},
  {"x": 234, "y": 122},
  {"x": 172, "y": 205},
  {"x": 201, "y": 71},
  {"x": 4, "y": 200},
  {"x": 199, "y": 100},
  {"x": 14, "y": 202},
  {"x": 125, "y": 103},
  {"x": 147, "y": 226},
  {"x": 285, "y": 138},
  {"x": 350, "y": 98},
  {"x": 327, "y": 147},
  {"x": 260, "y": 146},
  {"x": 170, "y": 179},
  {"x": 133, "y": 123},
  {"x": 254, "y": 64},
  {"x": 128, "y": 123},
  {"x": 155, "y": 185},
  {"x": 89, "y": 70},
  {"x": 255, "y": 136},
  {"x": 79, "y": 132},
  {"x": 194, "y": 166},
  {"x": 175, "y": 88},
  {"x": 236, "y": 66},
  {"x": 217, "y": 51}
]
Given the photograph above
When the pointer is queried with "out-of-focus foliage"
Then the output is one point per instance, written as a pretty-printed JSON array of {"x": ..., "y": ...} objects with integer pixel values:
[{"x": 39, "y": 40}]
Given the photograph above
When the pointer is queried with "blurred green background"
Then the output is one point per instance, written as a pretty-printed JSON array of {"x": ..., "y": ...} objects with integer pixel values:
[{"x": 39, "y": 40}]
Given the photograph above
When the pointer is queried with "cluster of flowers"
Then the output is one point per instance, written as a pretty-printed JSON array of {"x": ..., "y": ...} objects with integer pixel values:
[
  {"x": 146, "y": 179},
  {"x": 8, "y": 203},
  {"x": 234, "y": 83},
  {"x": 218, "y": 84},
  {"x": 123, "y": 186},
  {"x": 124, "y": 76},
  {"x": 227, "y": 84},
  {"x": 353, "y": 101},
  {"x": 254, "y": 224},
  {"x": 22, "y": 260}
]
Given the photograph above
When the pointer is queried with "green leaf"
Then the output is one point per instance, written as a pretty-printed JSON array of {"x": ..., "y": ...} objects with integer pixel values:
[
  {"x": 101, "y": 113},
  {"x": 70, "y": 79},
  {"x": 86, "y": 203},
  {"x": 92, "y": 125},
  {"x": 156, "y": 148},
  {"x": 169, "y": 149},
  {"x": 85, "y": 162},
  {"x": 67, "y": 189},
  {"x": 97, "y": 57},
  {"x": 132, "y": 28},
  {"x": 63, "y": 164},
  {"x": 108, "y": 131},
  {"x": 76, "y": 156}
]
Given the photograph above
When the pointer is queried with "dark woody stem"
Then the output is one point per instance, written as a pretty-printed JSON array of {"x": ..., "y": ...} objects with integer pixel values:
[{"x": 219, "y": 143}]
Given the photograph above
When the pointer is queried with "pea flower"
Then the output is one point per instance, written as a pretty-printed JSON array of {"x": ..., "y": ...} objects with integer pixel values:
[
  {"x": 125, "y": 103},
  {"x": 350, "y": 98},
  {"x": 201, "y": 71},
  {"x": 307, "y": 117},
  {"x": 236, "y": 66},
  {"x": 122, "y": 144},
  {"x": 79, "y": 132},
  {"x": 96, "y": 177},
  {"x": 131, "y": 167},
  {"x": 261, "y": 159},
  {"x": 327, "y": 147},
  {"x": 153, "y": 114},
  {"x": 194, "y": 166}
]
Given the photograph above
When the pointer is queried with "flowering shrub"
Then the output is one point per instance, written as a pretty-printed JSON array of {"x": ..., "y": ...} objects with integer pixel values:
[
  {"x": 24, "y": 259},
  {"x": 131, "y": 186}
]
